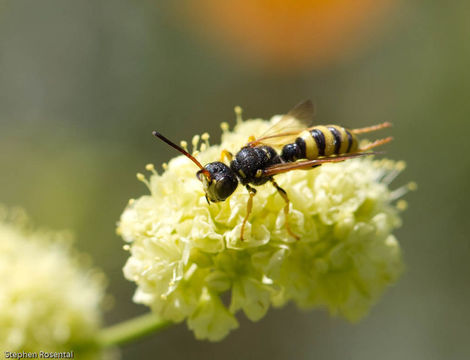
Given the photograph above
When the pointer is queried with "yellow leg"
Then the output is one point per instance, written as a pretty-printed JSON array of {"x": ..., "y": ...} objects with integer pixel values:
[
  {"x": 226, "y": 154},
  {"x": 249, "y": 207},
  {"x": 371, "y": 128},
  {"x": 283, "y": 193},
  {"x": 375, "y": 144}
]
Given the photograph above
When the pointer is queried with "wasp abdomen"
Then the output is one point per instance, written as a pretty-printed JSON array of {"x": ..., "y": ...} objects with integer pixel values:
[{"x": 320, "y": 141}]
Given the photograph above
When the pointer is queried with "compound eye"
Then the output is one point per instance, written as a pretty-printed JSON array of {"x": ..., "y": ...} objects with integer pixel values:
[{"x": 225, "y": 187}]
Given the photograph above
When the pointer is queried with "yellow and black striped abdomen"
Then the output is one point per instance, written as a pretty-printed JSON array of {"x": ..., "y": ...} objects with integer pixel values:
[{"x": 320, "y": 141}]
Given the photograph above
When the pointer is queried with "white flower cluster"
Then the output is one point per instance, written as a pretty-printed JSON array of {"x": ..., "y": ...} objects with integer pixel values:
[
  {"x": 185, "y": 254},
  {"x": 48, "y": 300}
]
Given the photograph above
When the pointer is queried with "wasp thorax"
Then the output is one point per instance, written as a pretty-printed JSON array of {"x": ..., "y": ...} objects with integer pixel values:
[{"x": 221, "y": 183}]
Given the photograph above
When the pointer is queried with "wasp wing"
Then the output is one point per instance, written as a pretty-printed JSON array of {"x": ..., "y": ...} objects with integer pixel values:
[
  {"x": 288, "y": 127},
  {"x": 308, "y": 164}
]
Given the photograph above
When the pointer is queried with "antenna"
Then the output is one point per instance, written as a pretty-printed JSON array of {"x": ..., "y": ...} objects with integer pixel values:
[{"x": 184, "y": 152}]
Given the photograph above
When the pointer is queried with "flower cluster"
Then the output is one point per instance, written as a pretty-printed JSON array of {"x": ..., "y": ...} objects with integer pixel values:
[
  {"x": 189, "y": 263},
  {"x": 48, "y": 300}
]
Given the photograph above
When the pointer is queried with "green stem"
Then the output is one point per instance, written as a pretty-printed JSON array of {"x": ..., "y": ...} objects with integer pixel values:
[{"x": 130, "y": 330}]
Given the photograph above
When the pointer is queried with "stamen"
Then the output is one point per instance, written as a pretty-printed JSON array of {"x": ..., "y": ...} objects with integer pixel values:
[
  {"x": 224, "y": 126},
  {"x": 147, "y": 270},
  {"x": 402, "y": 190},
  {"x": 238, "y": 112},
  {"x": 184, "y": 145},
  {"x": 402, "y": 205},
  {"x": 205, "y": 137},
  {"x": 190, "y": 271},
  {"x": 141, "y": 177},
  {"x": 396, "y": 170},
  {"x": 151, "y": 168},
  {"x": 195, "y": 143}
]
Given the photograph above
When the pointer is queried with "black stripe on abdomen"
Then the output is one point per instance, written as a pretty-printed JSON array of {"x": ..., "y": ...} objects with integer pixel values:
[
  {"x": 337, "y": 136},
  {"x": 302, "y": 147},
  {"x": 320, "y": 141},
  {"x": 350, "y": 140}
]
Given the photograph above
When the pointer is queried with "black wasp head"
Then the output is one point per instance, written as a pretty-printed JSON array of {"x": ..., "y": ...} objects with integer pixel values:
[{"x": 218, "y": 180}]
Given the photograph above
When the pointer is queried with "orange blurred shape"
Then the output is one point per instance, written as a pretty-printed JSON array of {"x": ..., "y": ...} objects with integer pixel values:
[{"x": 289, "y": 34}]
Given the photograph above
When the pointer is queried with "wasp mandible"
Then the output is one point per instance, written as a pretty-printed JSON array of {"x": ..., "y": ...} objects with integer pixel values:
[{"x": 303, "y": 147}]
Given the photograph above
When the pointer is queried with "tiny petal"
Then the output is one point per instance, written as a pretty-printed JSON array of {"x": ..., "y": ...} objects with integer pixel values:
[
  {"x": 252, "y": 296},
  {"x": 211, "y": 320}
]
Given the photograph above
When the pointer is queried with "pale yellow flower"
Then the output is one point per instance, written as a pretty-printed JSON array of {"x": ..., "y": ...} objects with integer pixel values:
[
  {"x": 185, "y": 254},
  {"x": 49, "y": 301}
]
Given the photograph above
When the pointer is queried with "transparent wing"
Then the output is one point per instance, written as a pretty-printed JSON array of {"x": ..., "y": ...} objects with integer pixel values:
[
  {"x": 308, "y": 164},
  {"x": 288, "y": 127}
]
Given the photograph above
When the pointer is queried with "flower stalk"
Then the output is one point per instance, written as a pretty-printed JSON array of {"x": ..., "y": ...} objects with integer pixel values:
[{"x": 130, "y": 330}]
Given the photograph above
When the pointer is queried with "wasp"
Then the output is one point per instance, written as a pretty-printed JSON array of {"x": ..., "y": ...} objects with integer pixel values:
[{"x": 302, "y": 147}]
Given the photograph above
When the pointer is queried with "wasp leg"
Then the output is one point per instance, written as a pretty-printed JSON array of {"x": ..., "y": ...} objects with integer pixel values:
[
  {"x": 375, "y": 144},
  {"x": 249, "y": 206},
  {"x": 226, "y": 154},
  {"x": 283, "y": 193},
  {"x": 371, "y": 128}
]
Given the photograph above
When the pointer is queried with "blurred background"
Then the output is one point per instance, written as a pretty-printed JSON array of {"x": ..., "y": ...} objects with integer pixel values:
[{"x": 83, "y": 84}]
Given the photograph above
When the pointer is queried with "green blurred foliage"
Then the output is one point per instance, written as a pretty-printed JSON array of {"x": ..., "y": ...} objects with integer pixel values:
[{"x": 83, "y": 84}]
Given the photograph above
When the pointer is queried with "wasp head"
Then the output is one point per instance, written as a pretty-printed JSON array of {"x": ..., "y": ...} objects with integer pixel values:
[{"x": 218, "y": 180}]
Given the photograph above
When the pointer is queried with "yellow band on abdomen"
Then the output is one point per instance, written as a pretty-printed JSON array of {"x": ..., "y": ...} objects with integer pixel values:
[
  {"x": 329, "y": 140},
  {"x": 311, "y": 149}
]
